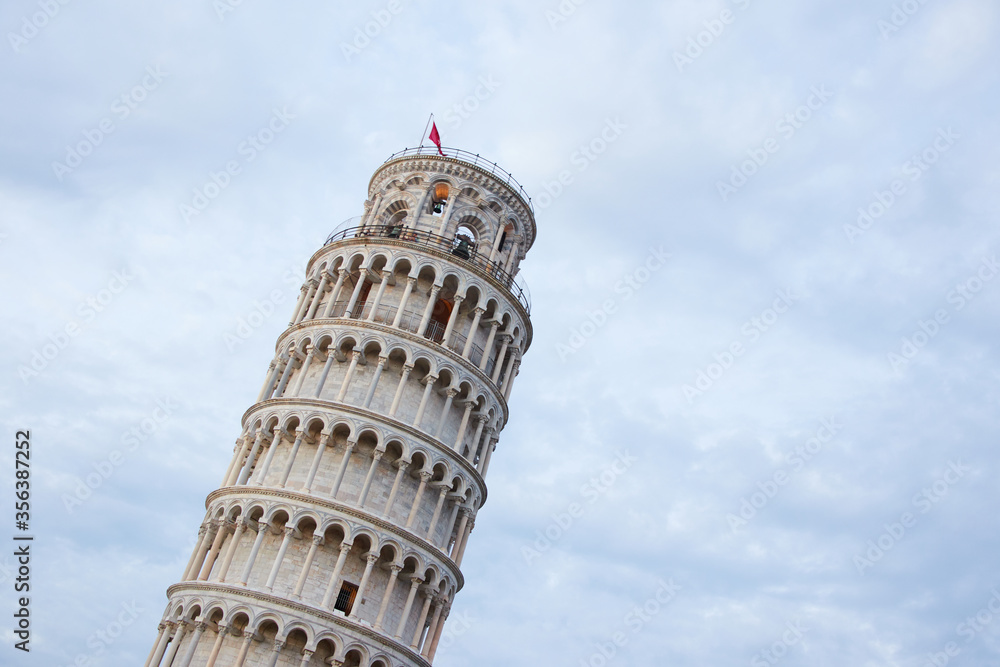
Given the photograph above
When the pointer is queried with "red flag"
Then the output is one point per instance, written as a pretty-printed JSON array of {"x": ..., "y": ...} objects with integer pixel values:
[{"x": 435, "y": 137}]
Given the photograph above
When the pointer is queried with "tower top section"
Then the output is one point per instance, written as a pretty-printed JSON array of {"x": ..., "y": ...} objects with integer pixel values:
[{"x": 480, "y": 183}]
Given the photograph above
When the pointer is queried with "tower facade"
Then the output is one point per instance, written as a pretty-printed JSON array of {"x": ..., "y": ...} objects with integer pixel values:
[{"x": 337, "y": 534}]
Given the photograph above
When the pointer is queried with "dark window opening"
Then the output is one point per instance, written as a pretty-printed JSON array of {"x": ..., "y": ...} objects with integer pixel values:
[{"x": 345, "y": 599}]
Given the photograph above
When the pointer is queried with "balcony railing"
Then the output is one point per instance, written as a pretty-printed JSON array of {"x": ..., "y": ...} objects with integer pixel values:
[
  {"x": 459, "y": 248},
  {"x": 476, "y": 161},
  {"x": 410, "y": 321}
]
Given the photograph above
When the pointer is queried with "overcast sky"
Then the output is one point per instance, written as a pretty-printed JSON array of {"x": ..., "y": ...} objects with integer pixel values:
[{"x": 801, "y": 398}]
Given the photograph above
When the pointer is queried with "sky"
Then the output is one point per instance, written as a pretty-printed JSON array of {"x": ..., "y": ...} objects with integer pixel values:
[{"x": 757, "y": 421}]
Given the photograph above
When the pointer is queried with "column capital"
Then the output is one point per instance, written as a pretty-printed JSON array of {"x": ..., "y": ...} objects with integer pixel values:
[
  {"x": 372, "y": 556},
  {"x": 278, "y": 645},
  {"x": 382, "y": 360},
  {"x": 290, "y": 531},
  {"x": 452, "y": 393},
  {"x": 201, "y": 626},
  {"x": 395, "y": 567},
  {"x": 425, "y": 476},
  {"x": 378, "y": 454},
  {"x": 317, "y": 540},
  {"x": 430, "y": 378},
  {"x": 401, "y": 464},
  {"x": 345, "y": 547}
]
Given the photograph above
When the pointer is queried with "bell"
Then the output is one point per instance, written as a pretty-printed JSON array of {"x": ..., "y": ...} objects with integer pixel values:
[{"x": 441, "y": 192}]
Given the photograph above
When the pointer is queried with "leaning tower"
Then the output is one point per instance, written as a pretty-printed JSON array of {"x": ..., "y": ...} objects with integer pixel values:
[{"x": 337, "y": 534}]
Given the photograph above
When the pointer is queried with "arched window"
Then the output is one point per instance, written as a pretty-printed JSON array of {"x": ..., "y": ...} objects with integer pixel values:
[{"x": 465, "y": 242}]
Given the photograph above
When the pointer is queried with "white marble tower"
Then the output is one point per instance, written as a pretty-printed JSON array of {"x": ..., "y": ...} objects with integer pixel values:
[{"x": 337, "y": 535}]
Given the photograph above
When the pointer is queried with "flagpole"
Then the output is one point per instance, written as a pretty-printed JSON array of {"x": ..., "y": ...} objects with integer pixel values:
[{"x": 429, "y": 119}]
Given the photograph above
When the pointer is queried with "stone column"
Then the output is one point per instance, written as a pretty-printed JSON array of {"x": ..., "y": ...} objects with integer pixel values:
[
  {"x": 447, "y": 214},
  {"x": 438, "y": 630},
  {"x": 460, "y": 531},
  {"x": 244, "y": 649},
  {"x": 469, "y": 404},
  {"x": 356, "y": 355},
  {"x": 335, "y": 294},
  {"x": 320, "y": 291},
  {"x": 505, "y": 343},
  {"x": 241, "y": 526},
  {"x": 299, "y": 434},
  {"x": 266, "y": 465},
  {"x": 331, "y": 588},
  {"x": 279, "y": 369},
  {"x": 297, "y": 389},
  {"x": 444, "y": 413},
  {"x": 237, "y": 466},
  {"x": 203, "y": 547},
  {"x": 429, "y": 381},
  {"x": 474, "y": 447},
  {"x": 298, "y": 304},
  {"x": 432, "y": 628},
  {"x": 374, "y": 384},
  {"x": 488, "y": 348},
  {"x": 213, "y": 554},
  {"x": 432, "y": 299},
  {"x": 251, "y": 458},
  {"x": 496, "y": 243},
  {"x": 310, "y": 286},
  {"x": 450, "y": 327},
  {"x": 161, "y": 643},
  {"x": 268, "y": 381},
  {"x": 410, "y": 282},
  {"x": 239, "y": 450},
  {"x": 437, "y": 512},
  {"x": 202, "y": 532},
  {"x": 182, "y": 627},
  {"x": 402, "y": 466},
  {"x": 394, "y": 573},
  {"x": 323, "y": 440},
  {"x": 376, "y": 457},
  {"x": 217, "y": 646},
  {"x": 275, "y": 652},
  {"x": 386, "y": 275},
  {"x": 293, "y": 359},
  {"x": 306, "y": 657},
  {"x": 372, "y": 557},
  {"x": 199, "y": 630},
  {"x": 508, "y": 376},
  {"x": 453, "y": 517},
  {"x": 424, "y": 478},
  {"x": 330, "y": 356},
  {"x": 465, "y": 542},
  {"x": 407, "y": 368},
  {"x": 356, "y": 293},
  {"x": 317, "y": 540},
  {"x": 262, "y": 529},
  {"x": 428, "y": 598},
  {"x": 351, "y": 444},
  {"x": 273, "y": 575},
  {"x": 473, "y": 330},
  {"x": 485, "y": 464},
  {"x": 415, "y": 582}
]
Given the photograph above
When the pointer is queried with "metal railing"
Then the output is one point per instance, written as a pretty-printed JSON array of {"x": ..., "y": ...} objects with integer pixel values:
[
  {"x": 475, "y": 160},
  {"x": 457, "y": 247},
  {"x": 410, "y": 321}
]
